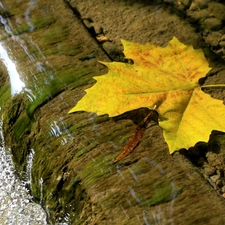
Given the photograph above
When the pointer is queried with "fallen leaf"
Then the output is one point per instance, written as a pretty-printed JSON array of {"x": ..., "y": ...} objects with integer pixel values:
[{"x": 165, "y": 77}]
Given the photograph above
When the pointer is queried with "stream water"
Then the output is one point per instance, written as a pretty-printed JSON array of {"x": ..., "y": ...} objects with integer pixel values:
[{"x": 17, "y": 206}]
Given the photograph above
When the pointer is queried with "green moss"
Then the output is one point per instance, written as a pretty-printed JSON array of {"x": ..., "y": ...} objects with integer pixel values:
[
  {"x": 67, "y": 48},
  {"x": 81, "y": 125},
  {"x": 86, "y": 147},
  {"x": 70, "y": 49},
  {"x": 56, "y": 34},
  {"x": 164, "y": 192},
  {"x": 22, "y": 125},
  {"x": 21, "y": 29},
  {"x": 95, "y": 169},
  {"x": 37, "y": 23},
  {"x": 43, "y": 22},
  {"x": 5, "y": 93},
  {"x": 56, "y": 86}
]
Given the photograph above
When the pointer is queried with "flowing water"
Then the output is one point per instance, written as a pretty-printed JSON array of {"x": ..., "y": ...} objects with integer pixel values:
[{"x": 17, "y": 206}]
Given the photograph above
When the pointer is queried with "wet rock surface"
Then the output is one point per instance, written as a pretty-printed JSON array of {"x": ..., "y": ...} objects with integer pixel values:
[{"x": 72, "y": 173}]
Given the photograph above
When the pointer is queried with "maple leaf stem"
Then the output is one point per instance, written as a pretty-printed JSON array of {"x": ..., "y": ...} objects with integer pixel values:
[{"x": 213, "y": 86}]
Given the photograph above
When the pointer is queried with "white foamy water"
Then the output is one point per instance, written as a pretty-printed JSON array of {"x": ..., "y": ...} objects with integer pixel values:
[
  {"x": 16, "y": 205},
  {"x": 16, "y": 83}
]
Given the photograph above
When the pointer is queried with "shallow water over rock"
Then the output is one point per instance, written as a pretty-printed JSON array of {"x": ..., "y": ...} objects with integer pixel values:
[
  {"x": 64, "y": 161},
  {"x": 17, "y": 205}
]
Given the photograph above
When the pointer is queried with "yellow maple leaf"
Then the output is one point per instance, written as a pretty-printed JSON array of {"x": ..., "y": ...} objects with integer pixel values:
[{"x": 163, "y": 77}]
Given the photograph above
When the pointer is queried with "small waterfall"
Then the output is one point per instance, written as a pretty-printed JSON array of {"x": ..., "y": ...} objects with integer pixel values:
[
  {"x": 16, "y": 84},
  {"x": 17, "y": 206}
]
